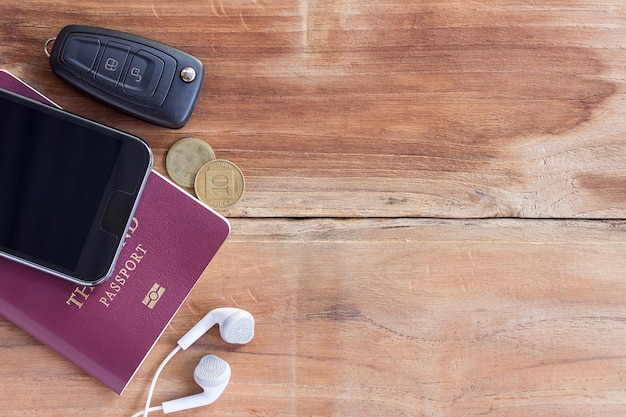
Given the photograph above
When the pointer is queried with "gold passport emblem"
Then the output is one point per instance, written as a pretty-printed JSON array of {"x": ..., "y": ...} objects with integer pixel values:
[{"x": 154, "y": 295}]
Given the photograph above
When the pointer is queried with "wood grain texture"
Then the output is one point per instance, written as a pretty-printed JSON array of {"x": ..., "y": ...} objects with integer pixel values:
[
  {"x": 382, "y": 143},
  {"x": 383, "y": 318},
  {"x": 394, "y": 109}
]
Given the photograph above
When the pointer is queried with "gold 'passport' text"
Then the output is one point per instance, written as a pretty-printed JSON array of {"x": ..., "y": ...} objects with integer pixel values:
[{"x": 122, "y": 277}]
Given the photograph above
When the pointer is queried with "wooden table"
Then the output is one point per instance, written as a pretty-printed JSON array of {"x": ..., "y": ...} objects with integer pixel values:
[{"x": 433, "y": 222}]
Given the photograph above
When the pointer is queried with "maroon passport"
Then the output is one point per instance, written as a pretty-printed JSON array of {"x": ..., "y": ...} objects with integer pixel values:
[{"x": 108, "y": 330}]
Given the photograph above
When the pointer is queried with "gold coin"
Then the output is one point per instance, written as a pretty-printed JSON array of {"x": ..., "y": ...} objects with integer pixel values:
[
  {"x": 219, "y": 184},
  {"x": 185, "y": 158}
]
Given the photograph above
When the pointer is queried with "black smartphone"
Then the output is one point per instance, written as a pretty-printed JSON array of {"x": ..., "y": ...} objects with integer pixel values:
[{"x": 68, "y": 189}]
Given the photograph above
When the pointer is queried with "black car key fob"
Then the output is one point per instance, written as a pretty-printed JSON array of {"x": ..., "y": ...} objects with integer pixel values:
[{"x": 142, "y": 77}]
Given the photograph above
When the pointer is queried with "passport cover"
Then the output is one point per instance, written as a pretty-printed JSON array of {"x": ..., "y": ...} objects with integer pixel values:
[{"x": 108, "y": 330}]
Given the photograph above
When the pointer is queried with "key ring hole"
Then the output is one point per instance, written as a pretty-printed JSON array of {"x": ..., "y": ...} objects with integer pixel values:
[{"x": 47, "y": 45}]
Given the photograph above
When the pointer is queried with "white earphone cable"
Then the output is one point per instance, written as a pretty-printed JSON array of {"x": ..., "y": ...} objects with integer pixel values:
[
  {"x": 139, "y": 413},
  {"x": 153, "y": 384}
]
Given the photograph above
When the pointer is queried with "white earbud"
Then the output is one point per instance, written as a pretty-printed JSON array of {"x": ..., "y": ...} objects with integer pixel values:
[
  {"x": 212, "y": 374},
  {"x": 236, "y": 326}
]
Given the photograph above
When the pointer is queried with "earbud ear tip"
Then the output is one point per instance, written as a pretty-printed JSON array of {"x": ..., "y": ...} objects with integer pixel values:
[
  {"x": 238, "y": 328},
  {"x": 211, "y": 371},
  {"x": 213, "y": 375}
]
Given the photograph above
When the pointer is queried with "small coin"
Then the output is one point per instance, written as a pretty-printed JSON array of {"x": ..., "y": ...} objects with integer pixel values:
[
  {"x": 185, "y": 158},
  {"x": 219, "y": 184}
]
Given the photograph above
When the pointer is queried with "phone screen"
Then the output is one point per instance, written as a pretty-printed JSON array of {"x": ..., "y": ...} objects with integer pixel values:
[{"x": 54, "y": 178}]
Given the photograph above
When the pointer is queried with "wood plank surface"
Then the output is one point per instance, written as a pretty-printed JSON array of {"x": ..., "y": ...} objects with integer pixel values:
[
  {"x": 383, "y": 318},
  {"x": 434, "y": 219},
  {"x": 401, "y": 108}
]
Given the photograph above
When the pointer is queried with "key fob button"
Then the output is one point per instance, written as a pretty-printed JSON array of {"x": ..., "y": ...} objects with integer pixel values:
[
  {"x": 112, "y": 63},
  {"x": 81, "y": 52},
  {"x": 143, "y": 75}
]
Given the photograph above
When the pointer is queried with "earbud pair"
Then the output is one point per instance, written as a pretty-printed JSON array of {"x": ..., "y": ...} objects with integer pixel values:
[{"x": 212, "y": 373}]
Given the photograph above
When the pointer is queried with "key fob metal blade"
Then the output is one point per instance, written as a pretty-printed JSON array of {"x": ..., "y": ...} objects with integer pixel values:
[{"x": 140, "y": 76}]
